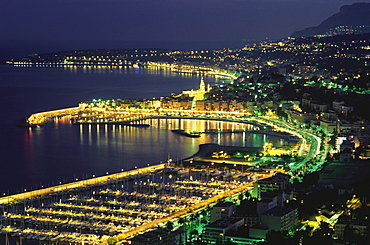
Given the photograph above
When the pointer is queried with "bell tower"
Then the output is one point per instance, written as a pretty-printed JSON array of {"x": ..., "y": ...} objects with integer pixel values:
[{"x": 202, "y": 85}]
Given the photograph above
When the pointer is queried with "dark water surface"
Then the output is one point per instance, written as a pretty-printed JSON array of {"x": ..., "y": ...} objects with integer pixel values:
[{"x": 61, "y": 152}]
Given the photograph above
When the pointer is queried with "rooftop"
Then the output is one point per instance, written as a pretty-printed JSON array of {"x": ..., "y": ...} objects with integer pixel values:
[
  {"x": 223, "y": 223},
  {"x": 278, "y": 211},
  {"x": 224, "y": 205}
]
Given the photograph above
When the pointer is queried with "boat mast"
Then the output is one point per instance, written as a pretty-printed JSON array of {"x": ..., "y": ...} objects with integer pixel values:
[{"x": 7, "y": 239}]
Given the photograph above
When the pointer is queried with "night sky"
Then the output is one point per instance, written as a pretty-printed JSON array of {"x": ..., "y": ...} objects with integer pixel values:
[{"x": 160, "y": 20}]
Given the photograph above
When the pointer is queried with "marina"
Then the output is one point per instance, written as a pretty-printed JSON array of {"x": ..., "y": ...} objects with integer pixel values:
[{"x": 120, "y": 205}]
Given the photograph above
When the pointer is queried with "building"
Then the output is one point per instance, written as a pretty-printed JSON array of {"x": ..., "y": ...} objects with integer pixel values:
[
  {"x": 280, "y": 218},
  {"x": 346, "y": 155},
  {"x": 347, "y": 145},
  {"x": 266, "y": 204},
  {"x": 328, "y": 126},
  {"x": 364, "y": 152},
  {"x": 215, "y": 232},
  {"x": 160, "y": 237},
  {"x": 299, "y": 117},
  {"x": 358, "y": 228},
  {"x": 337, "y": 105},
  {"x": 354, "y": 128},
  {"x": 249, "y": 219},
  {"x": 258, "y": 231},
  {"x": 319, "y": 107},
  {"x": 222, "y": 210},
  {"x": 197, "y": 94},
  {"x": 200, "y": 105},
  {"x": 282, "y": 196},
  {"x": 277, "y": 182},
  {"x": 341, "y": 108}
]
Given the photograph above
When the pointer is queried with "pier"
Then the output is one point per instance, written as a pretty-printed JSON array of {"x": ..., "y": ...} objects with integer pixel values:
[{"x": 42, "y": 118}]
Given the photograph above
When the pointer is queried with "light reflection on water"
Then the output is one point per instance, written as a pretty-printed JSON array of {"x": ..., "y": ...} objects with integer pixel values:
[
  {"x": 95, "y": 149},
  {"x": 59, "y": 151}
]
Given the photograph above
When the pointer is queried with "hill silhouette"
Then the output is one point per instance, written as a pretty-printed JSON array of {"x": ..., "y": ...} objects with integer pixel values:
[{"x": 353, "y": 18}]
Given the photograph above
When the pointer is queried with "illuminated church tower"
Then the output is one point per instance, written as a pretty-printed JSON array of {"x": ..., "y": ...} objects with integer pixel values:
[
  {"x": 197, "y": 94},
  {"x": 202, "y": 86}
]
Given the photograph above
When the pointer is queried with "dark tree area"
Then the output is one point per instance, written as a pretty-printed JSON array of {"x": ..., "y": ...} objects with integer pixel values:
[
  {"x": 246, "y": 207},
  {"x": 169, "y": 226},
  {"x": 280, "y": 237},
  {"x": 308, "y": 204},
  {"x": 352, "y": 236}
]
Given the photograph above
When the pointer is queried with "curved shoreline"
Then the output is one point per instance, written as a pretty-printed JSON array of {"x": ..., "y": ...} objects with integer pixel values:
[{"x": 259, "y": 122}]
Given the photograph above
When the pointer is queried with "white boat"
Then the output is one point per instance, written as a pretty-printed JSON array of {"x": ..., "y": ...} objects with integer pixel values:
[{"x": 182, "y": 171}]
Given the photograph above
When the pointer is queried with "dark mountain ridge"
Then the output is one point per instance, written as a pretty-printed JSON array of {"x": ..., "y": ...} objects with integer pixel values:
[{"x": 353, "y": 18}]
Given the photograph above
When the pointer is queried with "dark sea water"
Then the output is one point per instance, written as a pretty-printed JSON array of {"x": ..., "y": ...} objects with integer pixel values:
[
  {"x": 17, "y": 48},
  {"x": 62, "y": 152}
]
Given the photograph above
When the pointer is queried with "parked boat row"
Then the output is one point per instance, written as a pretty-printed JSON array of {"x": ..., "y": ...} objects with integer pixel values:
[
  {"x": 177, "y": 171},
  {"x": 52, "y": 235}
]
